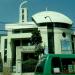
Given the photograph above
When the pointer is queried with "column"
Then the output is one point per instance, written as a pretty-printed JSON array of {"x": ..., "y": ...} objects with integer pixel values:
[
  {"x": 18, "y": 61},
  {"x": 9, "y": 56}
]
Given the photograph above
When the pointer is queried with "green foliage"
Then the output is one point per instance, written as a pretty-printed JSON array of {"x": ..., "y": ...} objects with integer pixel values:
[{"x": 36, "y": 37}]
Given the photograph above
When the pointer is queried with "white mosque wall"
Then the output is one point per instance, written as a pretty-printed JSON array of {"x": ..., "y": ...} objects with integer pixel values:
[
  {"x": 44, "y": 35},
  {"x": 58, "y": 39}
]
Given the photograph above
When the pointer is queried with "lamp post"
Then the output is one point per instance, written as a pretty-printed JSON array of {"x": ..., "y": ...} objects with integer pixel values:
[
  {"x": 50, "y": 20},
  {"x": 51, "y": 38}
]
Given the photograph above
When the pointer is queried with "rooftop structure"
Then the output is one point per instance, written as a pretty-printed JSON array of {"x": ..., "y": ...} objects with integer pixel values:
[
  {"x": 51, "y": 17},
  {"x": 20, "y": 46}
]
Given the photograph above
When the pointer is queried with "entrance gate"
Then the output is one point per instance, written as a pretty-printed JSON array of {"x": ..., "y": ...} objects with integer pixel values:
[{"x": 25, "y": 61}]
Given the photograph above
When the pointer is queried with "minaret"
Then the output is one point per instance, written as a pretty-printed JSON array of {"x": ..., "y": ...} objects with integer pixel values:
[{"x": 23, "y": 13}]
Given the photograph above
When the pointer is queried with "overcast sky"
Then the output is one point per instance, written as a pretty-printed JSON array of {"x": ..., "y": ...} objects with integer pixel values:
[{"x": 9, "y": 9}]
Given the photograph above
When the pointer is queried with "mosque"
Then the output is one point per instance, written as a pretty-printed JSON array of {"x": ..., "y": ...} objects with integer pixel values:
[{"x": 49, "y": 32}]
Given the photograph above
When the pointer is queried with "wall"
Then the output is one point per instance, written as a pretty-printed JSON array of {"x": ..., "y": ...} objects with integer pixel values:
[
  {"x": 58, "y": 38},
  {"x": 43, "y": 31}
]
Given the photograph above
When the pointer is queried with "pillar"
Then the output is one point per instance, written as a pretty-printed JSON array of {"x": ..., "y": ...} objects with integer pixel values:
[{"x": 18, "y": 61}]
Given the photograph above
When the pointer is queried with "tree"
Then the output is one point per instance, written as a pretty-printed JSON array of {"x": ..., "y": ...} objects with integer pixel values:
[{"x": 36, "y": 38}]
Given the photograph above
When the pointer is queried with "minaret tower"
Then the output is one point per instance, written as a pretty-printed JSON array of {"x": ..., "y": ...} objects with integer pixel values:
[{"x": 23, "y": 13}]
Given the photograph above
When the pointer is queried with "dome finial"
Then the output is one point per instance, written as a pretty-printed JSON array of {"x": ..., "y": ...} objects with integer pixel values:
[{"x": 46, "y": 9}]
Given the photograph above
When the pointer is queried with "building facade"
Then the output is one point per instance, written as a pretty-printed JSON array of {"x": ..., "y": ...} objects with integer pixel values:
[{"x": 17, "y": 48}]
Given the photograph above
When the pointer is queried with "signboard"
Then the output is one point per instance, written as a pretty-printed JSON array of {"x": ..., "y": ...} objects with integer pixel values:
[{"x": 66, "y": 46}]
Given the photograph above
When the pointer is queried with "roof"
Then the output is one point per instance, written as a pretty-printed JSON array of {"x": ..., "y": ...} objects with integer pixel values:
[
  {"x": 20, "y": 26},
  {"x": 51, "y": 16},
  {"x": 62, "y": 55}
]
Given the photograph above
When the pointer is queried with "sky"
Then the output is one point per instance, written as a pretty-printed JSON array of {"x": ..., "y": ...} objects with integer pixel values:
[{"x": 9, "y": 9}]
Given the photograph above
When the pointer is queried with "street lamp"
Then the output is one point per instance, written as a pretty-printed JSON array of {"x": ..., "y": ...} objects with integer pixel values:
[
  {"x": 51, "y": 38},
  {"x": 50, "y": 20}
]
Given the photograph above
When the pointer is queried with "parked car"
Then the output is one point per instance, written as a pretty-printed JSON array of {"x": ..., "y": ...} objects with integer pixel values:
[{"x": 56, "y": 64}]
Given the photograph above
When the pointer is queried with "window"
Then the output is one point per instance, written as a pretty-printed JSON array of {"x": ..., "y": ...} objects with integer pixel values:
[
  {"x": 5, "y": 56},
  {"x": 68, "y": 65},
  {"x": 63, "y": 65},
  {"x": 22, "y": 10},
  {"x": 5, "y": 46},
  {"x": 62, "y": 25},
  {"x": 1, "y": 64},
  {"x": 64, "y": 34},
  {"x": 16, "y": 31},
  {"x": 5, "y": 50},
  {"x": 28, "y": 30},
  {"x": 22, "y": 15},
  {"x": 66, "y": 47},
  {"x": 56, "y": 66}
]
